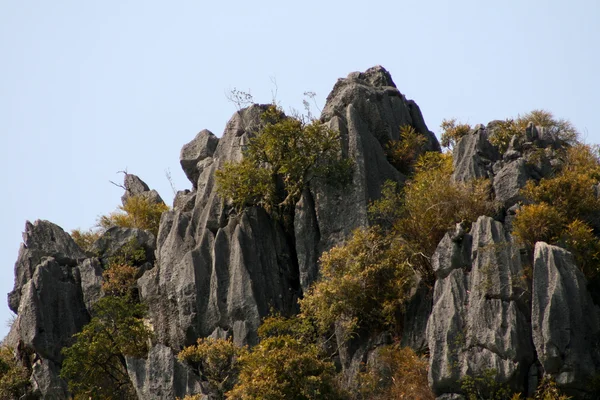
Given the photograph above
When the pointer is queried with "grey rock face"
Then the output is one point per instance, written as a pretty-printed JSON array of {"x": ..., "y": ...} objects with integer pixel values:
[
  {"x": 134, "y": 186},
  {"x": 46, "y": 382},
  {"x": 52, "y": 309},
  {"x": 473, "y": 156},
  {"x": 41, "y": 239},
  {"x": 161, "y": 375},
  {"x": 215, "y": 270},
  {"x": 564, "y": 319},
  {"x": 115, "y": 239},
  {"x": 509, "y": 181},
  {"x": 479, "y": 318},
  {"x": 201, "y": 147}
]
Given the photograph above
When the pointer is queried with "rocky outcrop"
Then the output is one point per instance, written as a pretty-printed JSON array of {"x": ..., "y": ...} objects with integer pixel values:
[
  {"x": 479, "y": 319},
  {"x": 564, "y": 319},
  {"x": 162, "y": 376},
  {"x": 41, "y": 239},
  {"x": 192, "y": 154},
  {"x": 134, "y": 186}
]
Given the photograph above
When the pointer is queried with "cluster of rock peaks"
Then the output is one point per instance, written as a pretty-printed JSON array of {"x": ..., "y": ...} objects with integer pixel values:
[{"x": 209, "y": 274}]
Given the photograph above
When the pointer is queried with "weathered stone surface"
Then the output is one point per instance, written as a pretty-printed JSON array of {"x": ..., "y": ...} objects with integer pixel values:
[
  {"x": 52, "y": 309},
  {"x": 201, "y": 147},
  {"x": 115, "y": 239},
  {"x": 229, "y": 279},
  {"x": 41, "y": 239},
  {"x": 473, "y": 156},
  {"x": 161, "y": 375},
  {"x": 90, "y": 273},
  {"x": 46, "y": 382},
  {"x": 564, "y": 319},
  {"x": 509, "y": 181},
  {"x": 134, "y": 186},
  {"x": 479, "y": 319}
]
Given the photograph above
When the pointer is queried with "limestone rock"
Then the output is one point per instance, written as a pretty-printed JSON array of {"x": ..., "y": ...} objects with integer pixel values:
[
  {"x": 134, "y": 186},
  {"x": 116, "y": 239},
  {"x": 41, "y": 239},
  {"x": 479, "y": 318},
  {"x": 46, "y": 382},
  {"x": 201, "y": 147},
  {"x": 162, "y": 376},
  {"x": 52, "y": 309},
  {"x": 564, "y": 319},
  {"x": 473, "y": 156}
]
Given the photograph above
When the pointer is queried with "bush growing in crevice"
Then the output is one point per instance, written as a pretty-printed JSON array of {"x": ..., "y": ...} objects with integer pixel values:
[
  {"x": 430, "y": 203},
  {"x": 280, "y": 161},
  {"x": 137, "y": 212},
  {"x": 14, "y": 378},
  {"x": 403, "y": 153}
]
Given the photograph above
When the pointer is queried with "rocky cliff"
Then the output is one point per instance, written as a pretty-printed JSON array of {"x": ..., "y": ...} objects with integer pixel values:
[{"x": 210, "y": 272}]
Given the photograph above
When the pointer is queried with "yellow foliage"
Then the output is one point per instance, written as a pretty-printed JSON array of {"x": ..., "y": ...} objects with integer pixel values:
[
  {"x": 363, "y": 284},
  {"x": 538, "y": 223},
  {"x": 404, "y": 152},
  {"x": 85, "y": 239},
  {"x": 14, "y": 379},
  {"x": 119, "y": 279},
  {"x": 433, "y": 203},
  {"x": 137, "y": 212},
  {"x": 216, "y": 360},
  {"x": 399, "y": 374},
  {"x": 281, "y": 368},
  {"x": 452, "y": 132}
]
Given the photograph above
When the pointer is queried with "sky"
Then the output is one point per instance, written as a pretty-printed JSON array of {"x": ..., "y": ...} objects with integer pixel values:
[{"x": 90, "y": 88}]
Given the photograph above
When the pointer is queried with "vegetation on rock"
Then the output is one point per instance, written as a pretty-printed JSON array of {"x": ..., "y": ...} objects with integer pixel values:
[
  {"x": 94, "y": 365},
  {"x": 280, "y": 161},
  {"x": 137, "y": 212},
  {"x": 563, "y": 209},
  {"x": 14, "y": 378},
  {"x": 216, "y": 361}
]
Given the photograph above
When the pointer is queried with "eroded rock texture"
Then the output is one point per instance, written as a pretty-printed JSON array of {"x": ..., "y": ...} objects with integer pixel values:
[
  {"x": 479, "y": 319},
  {"x": 564, "y": 319}
]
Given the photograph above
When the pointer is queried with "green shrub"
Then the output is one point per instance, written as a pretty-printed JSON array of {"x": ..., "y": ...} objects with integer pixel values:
[
  {"x": 547, "y": 390},
  {"x": 94, "y": 366},
  {"x": 216, "y": 360},
  {"x": 363, "y": 284},
  {"x": 137, "y": 212},
  {"x": 285, "y": 151},
  {"x": 452, "y": 132},
  {"x": 485, "y": 386}
]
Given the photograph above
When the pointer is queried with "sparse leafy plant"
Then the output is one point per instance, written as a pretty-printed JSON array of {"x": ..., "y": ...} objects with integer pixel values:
[
  {"x": 399, "y": 374},
  {"x": 280, "y": 161},
  {"x": 137, "y": 212},
  {"x": 452, "y": 132},
  {"x": 85, "y": 239},
  {"x": 14, "y": 379},
  {"x": 363, "y": 284},
  {"x": 485, "y": 386},
  {"x": 94, "y": 365},
  {"x": 216, "y": 360},
  {"x": 404, "y": 152},
  {"x": 431, "y": 204}
]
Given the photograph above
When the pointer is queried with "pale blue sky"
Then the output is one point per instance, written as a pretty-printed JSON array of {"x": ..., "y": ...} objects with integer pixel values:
[{"x": 88, "y": 88}]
